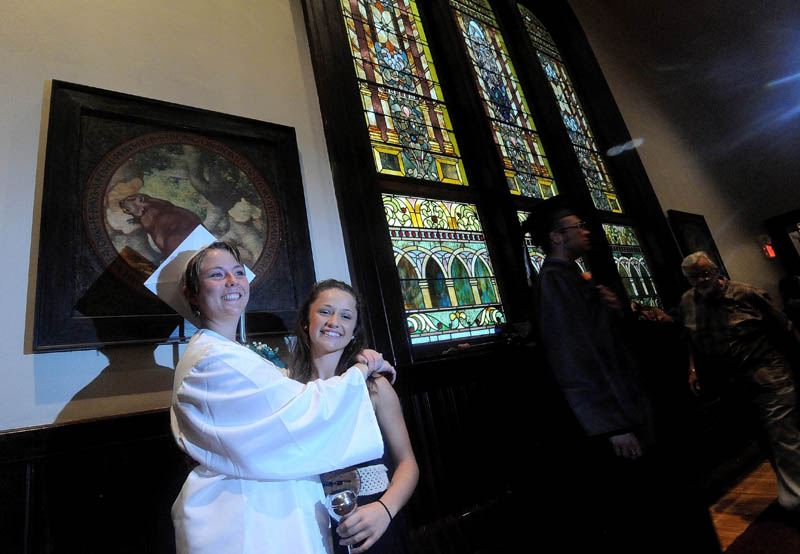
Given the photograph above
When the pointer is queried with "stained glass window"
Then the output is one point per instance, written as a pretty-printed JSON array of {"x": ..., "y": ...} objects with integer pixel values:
[
  {"x": 602, "y": 190},
  {"x": 631, "y": 265},
  {"x": 527, "y": 170},
  {"x": 449, "y": 288},
  {"x": 535, "y": 253},
  {"x": 409, "y": 127}
]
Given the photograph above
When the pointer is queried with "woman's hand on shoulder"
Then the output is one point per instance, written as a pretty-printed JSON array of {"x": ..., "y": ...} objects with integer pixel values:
[
  {"x": 368, "y": 523},
  {"x": 374, "y": 360},
  {"x": 364, "y": 369}
]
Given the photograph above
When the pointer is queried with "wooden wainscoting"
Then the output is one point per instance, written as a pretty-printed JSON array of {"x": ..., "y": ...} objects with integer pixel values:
[
  {"x": 99, "y": 486},
  {"x": 488, "y": 427}
]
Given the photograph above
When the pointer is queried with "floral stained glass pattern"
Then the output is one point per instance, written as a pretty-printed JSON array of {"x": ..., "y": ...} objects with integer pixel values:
[
  {"x": 526, "y": 167},
  {"x": 449, "y": 288},
  {"x": 631, "y": 265},
  {"x": 601, "y": 188},
  {"x": 409, "y": 127}
]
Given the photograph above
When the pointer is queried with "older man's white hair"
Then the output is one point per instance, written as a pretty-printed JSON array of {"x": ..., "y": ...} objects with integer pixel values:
[{"x": 693, "y": 259}]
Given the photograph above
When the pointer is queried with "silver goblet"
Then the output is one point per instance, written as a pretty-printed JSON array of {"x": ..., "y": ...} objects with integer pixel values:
[{"x": 341, "y": 504}]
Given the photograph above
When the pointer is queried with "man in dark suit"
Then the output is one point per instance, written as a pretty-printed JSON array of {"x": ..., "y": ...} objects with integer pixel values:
[
  {"x": 612, "y": 466},
  {"x": 579, "y": 326}
]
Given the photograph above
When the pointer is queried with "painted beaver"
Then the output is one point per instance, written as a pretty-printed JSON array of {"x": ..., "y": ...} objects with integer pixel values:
[{"x": 166, "y": 223}]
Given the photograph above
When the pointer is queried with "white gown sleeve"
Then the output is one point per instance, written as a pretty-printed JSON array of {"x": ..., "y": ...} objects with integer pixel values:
[{"x": 238, "y": 415}]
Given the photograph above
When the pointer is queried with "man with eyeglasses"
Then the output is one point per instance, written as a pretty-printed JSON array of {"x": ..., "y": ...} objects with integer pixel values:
[
  {"x": 611, "y": 465},
  {"x": 741, "y": 341},
  {"x": 578, "y": 323}
]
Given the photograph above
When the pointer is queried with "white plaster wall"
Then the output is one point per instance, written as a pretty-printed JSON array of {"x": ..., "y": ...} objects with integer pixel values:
[
  {"x": 677, "y": 172},
  {"x": 242, "y": 57}
]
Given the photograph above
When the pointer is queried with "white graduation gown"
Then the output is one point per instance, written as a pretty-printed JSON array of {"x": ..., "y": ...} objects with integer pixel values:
[{"x": 261, "y": 440}]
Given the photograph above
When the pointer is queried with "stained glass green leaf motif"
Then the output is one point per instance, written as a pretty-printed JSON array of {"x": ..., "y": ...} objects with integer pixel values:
[
  {"x": 631, "y": 265},
  {"x": 407, "y": 120},
  {"x": 601, "y": 188},
  {"x": 449, "y": 288},
  {"x": 525, "y": 164}
]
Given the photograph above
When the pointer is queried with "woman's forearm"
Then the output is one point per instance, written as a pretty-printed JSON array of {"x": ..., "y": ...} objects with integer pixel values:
[{"x": 402, "y": 486}]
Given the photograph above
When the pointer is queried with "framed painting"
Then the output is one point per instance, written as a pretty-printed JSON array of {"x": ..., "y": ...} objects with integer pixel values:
[
  {"x": 126, "y": 179},
  {"x": 784, "y": 230},
  {"x": 692, "y": 234}
]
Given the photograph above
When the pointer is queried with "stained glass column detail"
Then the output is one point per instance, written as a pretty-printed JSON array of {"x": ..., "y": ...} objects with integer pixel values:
[
  {"x": 409, "y": 127},
  {"x": 595, "y": 174},
  {"x": 535, "y": 252},
  {"x": 631, "y": 265},
  {"x": 527, "y": 170},
  {"x": 449, "y": 288}
]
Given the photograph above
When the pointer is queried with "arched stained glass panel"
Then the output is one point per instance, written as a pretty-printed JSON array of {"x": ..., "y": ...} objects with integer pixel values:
[
  {"x": 646, "y": 279},
  {"x": 409, "y": 284},
  {"x": 486, "y": 288},
  {"x": 437, "y": 288},
  {"x": 409, "y": 127},
  {"x": 526, "y": 167},
  {"x": 624, "y": 272},
  {"x": 444, "y": 230},
  {"x": 601, "y": 188},
  {"x": 629, "y": 256},
  {"x": 636, "y": 273},
  {"x": 461, "y": 284}
]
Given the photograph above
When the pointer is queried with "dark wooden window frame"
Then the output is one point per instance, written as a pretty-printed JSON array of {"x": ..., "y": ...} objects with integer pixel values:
[{"x": 358, "y": 186}]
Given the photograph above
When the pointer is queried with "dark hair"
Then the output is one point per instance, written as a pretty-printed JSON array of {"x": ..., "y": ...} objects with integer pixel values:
[
  {"x": 544, "y": 218},
  {"x": 191, "y": 277},
  {"x": 302, "y": 366}
]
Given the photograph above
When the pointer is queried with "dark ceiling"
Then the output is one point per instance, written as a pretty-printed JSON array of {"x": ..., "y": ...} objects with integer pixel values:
[{"x": 727, "y": 75}]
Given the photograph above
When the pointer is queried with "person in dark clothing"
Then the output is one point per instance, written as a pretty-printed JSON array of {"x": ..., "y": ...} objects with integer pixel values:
[
  {"x": 578, "y": 322},
  {"x": 628, "y": 492},
  {"x": 745, "y": 341}
]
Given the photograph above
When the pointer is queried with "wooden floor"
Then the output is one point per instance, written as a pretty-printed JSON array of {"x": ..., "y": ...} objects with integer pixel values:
[{"x": 743, "y": 503}]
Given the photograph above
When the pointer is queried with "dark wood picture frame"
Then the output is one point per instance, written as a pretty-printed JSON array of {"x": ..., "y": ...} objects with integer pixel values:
[
  {"x": 691, "y": 232},
  {"x": 784, "y": 230},
  {"x": 89, "y": 290}
]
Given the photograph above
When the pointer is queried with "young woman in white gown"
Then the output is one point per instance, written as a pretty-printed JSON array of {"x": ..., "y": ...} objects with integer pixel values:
[{"x": 260, "y": 439}]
